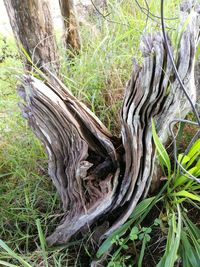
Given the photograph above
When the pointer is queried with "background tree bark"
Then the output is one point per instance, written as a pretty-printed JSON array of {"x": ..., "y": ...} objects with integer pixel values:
[
  {"x": 71, "y": 34},
  {"x": 31, "y": 23}
]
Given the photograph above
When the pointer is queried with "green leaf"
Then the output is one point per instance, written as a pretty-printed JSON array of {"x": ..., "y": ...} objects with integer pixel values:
[
  {"x": 194, "y": 232},
  {"x": 181, "y": 180},
  {"x": 197, "y": 173},
  {"x": 134, "y": 233},
  {"x": 194, "y": 149},
  {"x": 187, "y": 252},
  {"x": 13, "y": 254},
  {"x": 5, "y": 174},
  {"x": 194, "y": 152},
  {"x": 109, "y": 241},
  {"x": 187, "y": 194},
  {"x": 157, "y": 222},
  {"x": 164, "y": 157},
  {"x": 139, "y": 213},
  {"x": 4, "y": 263},
  {"x": 141, "y": 208},
  {"x": 146, "y": 230},
  {"x": 173, "y": 240},
  {"x": 41, "y": 235},
  {"x": 183, "y": 160},
  {"x": 197, "y": 52},
  {"x": 141, "y": 236},
  {"x": 42, "y": 241},
  {"x": 142, "y": 252},
  {"x": 147, "y": 237}
]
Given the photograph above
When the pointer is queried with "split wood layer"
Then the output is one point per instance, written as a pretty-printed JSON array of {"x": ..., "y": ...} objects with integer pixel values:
[{"x": 95, "y": 173}]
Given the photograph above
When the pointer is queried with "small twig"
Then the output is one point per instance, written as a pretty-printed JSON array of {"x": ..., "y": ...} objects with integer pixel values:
[
  {"x": 105, "y": 16},
  {"x": 148, "y": 13}
]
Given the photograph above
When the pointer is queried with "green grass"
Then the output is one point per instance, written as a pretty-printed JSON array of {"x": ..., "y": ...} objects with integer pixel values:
[
  {"x": 99, "y": 74},
  {"x": 171, "y": 213},
  {"x": 26, "y": 193},
  {"x": 29, "y": 204}
]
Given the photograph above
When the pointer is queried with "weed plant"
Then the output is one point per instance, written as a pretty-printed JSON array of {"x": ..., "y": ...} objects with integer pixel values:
[{"x": 179, "y": 199}]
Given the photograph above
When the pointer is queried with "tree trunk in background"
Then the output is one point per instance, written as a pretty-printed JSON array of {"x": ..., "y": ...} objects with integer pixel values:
[
  {"x": 32, "y": 26},
  {"x": 71, "y": 35}
]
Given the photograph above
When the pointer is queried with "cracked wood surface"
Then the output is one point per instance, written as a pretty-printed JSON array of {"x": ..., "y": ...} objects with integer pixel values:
[{"x": 92, "y": 177}]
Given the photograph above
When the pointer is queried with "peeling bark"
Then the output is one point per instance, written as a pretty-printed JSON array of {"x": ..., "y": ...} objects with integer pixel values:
[
  {"x": 84, "y": 163},
  {"x": 71, "y": 35},
  {"x": 95, "y": 173},
  {"x": 31, "y": 23}
]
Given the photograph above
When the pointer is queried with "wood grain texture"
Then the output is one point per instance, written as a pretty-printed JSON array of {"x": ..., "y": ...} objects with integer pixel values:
[
  {"x": 93, "y": 177},
  {"x": 82, "y": 158}
]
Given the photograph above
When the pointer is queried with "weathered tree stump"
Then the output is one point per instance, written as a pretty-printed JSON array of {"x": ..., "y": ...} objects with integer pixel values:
[{"x": 95, "y": 173}]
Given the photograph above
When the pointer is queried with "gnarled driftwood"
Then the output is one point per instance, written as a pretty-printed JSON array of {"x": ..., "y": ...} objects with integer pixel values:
[{"x": 94, "y": 172}]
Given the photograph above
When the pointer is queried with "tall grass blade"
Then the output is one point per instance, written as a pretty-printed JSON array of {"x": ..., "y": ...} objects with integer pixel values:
[
  {"x": 187, "y": 194},
  {"x": 173, "y": 241},
  {"x": 42, "y": 241},
  {"x": 4, "y": 263},
  {"x": 13, "y": 254},
  {"x": 163, "y": 155}
]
